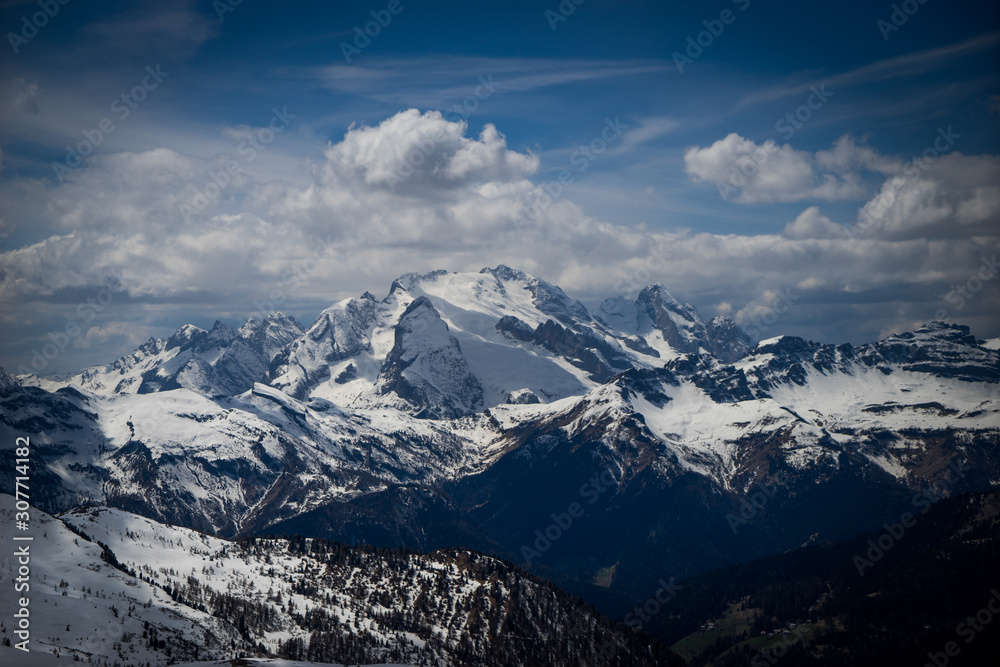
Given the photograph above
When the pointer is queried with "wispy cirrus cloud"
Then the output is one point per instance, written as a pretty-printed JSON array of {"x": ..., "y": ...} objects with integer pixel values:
[
  {"x": 430, "y": 81},
  {"x": 178, "y": 29},
  {"x": 908, "y": 65}
]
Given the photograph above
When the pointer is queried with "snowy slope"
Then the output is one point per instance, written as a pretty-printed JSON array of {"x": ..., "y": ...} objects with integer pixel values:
[
  {"x": 221, "y": 464},
  {"x": 82, "y": 606},
  {"x": 220, "y": 361},
  {"x": 108, "y": 585},
  {"x": 515, "y": 333},
  {"x": 885, "y": 404}
]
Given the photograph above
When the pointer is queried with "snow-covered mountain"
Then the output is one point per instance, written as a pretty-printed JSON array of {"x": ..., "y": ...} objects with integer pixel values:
[
  {"x": 110, "y": 587},
  {"x": 222, "y": 361},
  {"x": 659, "y": 320},
  {"x": 471, "y": 408},
  {"x": 500, "y": 329}
]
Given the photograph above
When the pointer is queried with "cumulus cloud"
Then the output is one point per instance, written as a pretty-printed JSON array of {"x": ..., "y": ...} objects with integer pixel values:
[
  {"x": 750, "y": 173},
  {"x": 952, "y": 195},
  {"x": 413, "y": 180},
  {"x": 112, "y": 193},
  {"x": 811, "y": 224},
  {"x": 424, "y": 149},
  {"x": 849, "y": 155}
]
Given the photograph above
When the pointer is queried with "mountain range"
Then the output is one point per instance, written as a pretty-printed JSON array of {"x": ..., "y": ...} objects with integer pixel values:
[{"x": 608, "y": 450}]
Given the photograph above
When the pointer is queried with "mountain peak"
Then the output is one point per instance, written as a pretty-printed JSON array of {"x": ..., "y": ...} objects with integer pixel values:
[
  {"x": 680, "y": 325},
  {"x": 417, "y": 304},
  {"x": 942, "y": 331},
  {"x": 183, "y": 336},
  {"x": 727, "y": 340},
  {"x": 7, "y": 381},
  {"x": 426, "y": 367},
  {"x": 658, "y": 295},
  {"x": 504, "y": 272},
  {"x": 408, "y": 281}
]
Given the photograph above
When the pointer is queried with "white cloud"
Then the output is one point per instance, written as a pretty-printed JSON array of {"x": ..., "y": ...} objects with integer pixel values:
[
  {"x": 811, "y": 224},
  {"x": 356, "y": 229},
  {"x": 848, "y": 155},
  {"x": 649, "y": 129},
  {"x": 425, "y": 150},
  {"x": 751, "y": 173},
  {"x": 953, "y": 195}
]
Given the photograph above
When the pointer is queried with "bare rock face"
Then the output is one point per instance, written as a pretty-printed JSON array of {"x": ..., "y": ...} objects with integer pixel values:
[{"x": 426, "y": 368}]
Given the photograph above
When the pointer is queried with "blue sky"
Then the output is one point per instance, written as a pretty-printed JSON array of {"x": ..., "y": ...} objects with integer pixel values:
[{"x": 789, "y": 158}]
